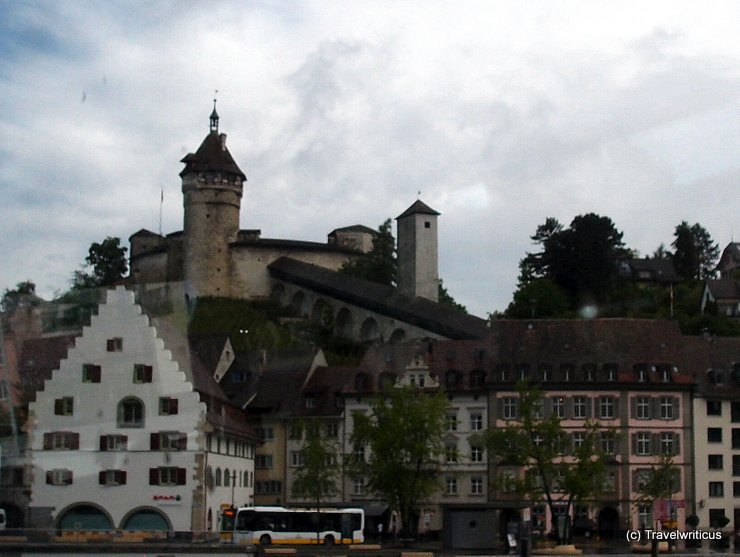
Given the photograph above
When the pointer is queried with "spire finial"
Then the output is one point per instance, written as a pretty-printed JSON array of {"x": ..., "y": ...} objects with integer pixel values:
[{"x": 214, "y": 114}]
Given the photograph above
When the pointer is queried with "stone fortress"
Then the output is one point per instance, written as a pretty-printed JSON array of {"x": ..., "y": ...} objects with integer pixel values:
[{"x": 213, "y": 257}]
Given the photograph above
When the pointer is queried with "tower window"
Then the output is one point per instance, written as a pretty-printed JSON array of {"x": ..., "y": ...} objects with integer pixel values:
[{"x": 427, "y": 224}]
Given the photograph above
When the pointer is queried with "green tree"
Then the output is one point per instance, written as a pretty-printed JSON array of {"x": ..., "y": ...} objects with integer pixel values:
[
  {"x": 539, "y": 298},
  {"x": 315, "y": 480},
  {"x": 104, "y": 265},
  {"x": 695, "y": 253},
  {"x": 23, "y": 294},
  {"x": 444, "y": 297},
  {"x": 379, "y": 264},
  {"x": 404, "y": 433},
  {"x": 552, "y": 467}
]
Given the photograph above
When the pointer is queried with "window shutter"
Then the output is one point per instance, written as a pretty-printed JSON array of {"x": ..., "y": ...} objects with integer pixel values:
[
  {"x": 633, "y": 407},
  {"x": 122, "y": 477},
  {"x": 59, "y": 406},
  {"x": 181, "y": 476},
  {"x": 69, "y": 478},
  {"x": 569, "y": 408},
  {"x": 74, "y": 441},
  {"x": 110, "y": 345},
  {"x": 101, "y": 477},
  {"x": 173, "y": 406},
  {"x": 676, "y": 444},
  {"x": 148, "y": 374},
  {"x": 500, "y": 409},
  {"x": 590, "y": 406},
  {"x": 548, "y": 407},
  {"x": 47, "y": 441},
  {"x": 96, "y": 374},
  {"x": 655, "y": 406},
  {"x": 634, "y": 443},
  {"x": 103, "y": 442},
  {"x": 676, "y": 407},
  {"x": 50, "y": 477},
  {"x": 153, "y": 476},
  {"x": 123, "y": 441},
  {"x": 154, "y": 441},
  {"x": 182, "y": 442}
]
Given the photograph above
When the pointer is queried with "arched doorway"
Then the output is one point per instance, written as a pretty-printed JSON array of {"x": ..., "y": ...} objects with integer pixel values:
[
  {"x": 145, "y": 519},
  {"x": 84, "y": 516},
  {"x": 608, "y": 522}
]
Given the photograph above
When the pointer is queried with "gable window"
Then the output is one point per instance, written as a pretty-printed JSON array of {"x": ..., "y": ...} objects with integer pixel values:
[
  {"x": 310, "y": 402},
  {"x": 114, "y": 344},
  {"x": 61, "y": 441},
  {"x": 130, "y": 413},
  {"x": 452, "y": 379},
  {"x": 168, "y": 406},
  {"x": 477, "y": 378},
  {"x": 611, "y": 372},
  {"x": 112, "y": 477},
  {"x": 64, "y": 406},
  {"x": 91, "y": 373},
  {"x": 167, "y": 475},
  {"x": 142, "y": 373},
  {"x": 59, "y": 476},
  {"x": 168, "y": 441},
  {"x": 113, "y": 442}
]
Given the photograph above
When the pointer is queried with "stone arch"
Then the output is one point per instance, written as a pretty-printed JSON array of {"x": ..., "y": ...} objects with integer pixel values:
[
  {"x": 344, "y": 323},
  {"x": 321, "y": 313},
  {"x": 277, "y": 294},
  {"x": 298, "y": 301},
  {"x": 370, "y": 330},
  {"x": 146, "y": 518},
  {"x": 84, "y": 516},
  {"x": 398, "y": 335}
]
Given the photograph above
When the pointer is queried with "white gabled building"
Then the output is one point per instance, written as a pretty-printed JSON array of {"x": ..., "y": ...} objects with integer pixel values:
[{"x": 119, "y": 437}]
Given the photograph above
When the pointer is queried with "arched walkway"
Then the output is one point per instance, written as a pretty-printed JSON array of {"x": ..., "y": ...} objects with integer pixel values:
[
  {"x": 278, "y": 293},
  {"x": 297, "y": 302},
  {"x": 321, "y": 313},
  {"x": 398, "y": 335},
  {"x": 344, "y": 323},
  {"x": 84, "y": 516},
  {"x": 369, "y": 330},
  {"x": 145, "y": 518}
]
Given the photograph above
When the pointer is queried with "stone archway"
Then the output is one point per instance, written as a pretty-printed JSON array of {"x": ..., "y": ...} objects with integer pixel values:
[
  {"x": 298, "y": 302},
  {"x": 344, "y": 323},
  {"x": 146, "y": 518},
  {"x": 84, "y": 516},
  {"x": 608, "y": 522},
  {"x": 370, "y": 330},
  {"x": 398, "y": 335},
  {"x": 321, "y": 313},
  {"x": 277, "y": 294}
]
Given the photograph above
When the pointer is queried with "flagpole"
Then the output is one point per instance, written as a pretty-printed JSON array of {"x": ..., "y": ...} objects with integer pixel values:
[{"x": 161, "y": 202}]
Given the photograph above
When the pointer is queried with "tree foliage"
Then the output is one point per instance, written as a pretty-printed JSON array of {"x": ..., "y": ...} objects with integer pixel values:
[
  {"x": 404, "y": 434},
  {"x": 539, "y": 298},
  {"x": 315, "y": 480},
  {"x": 379, "y": 264},
  {"x": 551, "y": 466},
  {"x": 695, "y": 253},
  {"x": 23, "y": 294},
  {"x": 104, "y": 265}
]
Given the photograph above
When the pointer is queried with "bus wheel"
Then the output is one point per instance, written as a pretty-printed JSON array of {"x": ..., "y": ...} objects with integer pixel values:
[
  {"x": 329, "y": 540},
  {"x": 265, "y": 539}
]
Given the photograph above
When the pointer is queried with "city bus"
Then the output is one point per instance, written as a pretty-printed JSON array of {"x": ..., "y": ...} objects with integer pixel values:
[{"x": 280, "y": 525}]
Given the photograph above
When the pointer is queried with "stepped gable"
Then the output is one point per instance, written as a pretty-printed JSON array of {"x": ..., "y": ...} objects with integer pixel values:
[
  {"x": 431, "y": 316},
  {"x": 40, "y": 356}
]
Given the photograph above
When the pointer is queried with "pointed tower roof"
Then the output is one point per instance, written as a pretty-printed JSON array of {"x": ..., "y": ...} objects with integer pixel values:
[
  {"x": 418, "y": 207},
  {"x": 212, "y": 156}
]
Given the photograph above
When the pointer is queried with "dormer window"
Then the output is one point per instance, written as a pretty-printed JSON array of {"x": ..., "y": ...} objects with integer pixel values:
[
  {"x": 642, "y": 373},
  {"x": 611, "y": 372},
  {"x": 589, "y": 373},
  {"x": 566, "y": 371},
  {"x": 522, "y": 372},
  {"x": 545, "y": 373},
  {"x": 310, "y": 402}
]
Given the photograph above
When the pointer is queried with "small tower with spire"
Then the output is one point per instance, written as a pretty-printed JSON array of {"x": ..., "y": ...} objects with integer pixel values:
[
  {"x": 212, "y": 190},
  {"x": 418, "y": 273}
]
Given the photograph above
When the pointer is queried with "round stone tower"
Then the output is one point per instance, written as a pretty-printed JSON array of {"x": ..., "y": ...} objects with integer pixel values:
[{"x": 212, "y": 191}]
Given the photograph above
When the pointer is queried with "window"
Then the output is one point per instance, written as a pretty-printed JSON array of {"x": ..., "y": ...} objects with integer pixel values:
[
  {"x": 142, "y": 373},
  {"x": 114, "y": 344},
  {"x": 168, "y": 406},
  {"x": 606, "y": 407},
  {"x": 610, "y": 482},
  {"x": 736, "y": 489},
  {"x": 476, "y": 485},
  {"x": 476, "y": 421},
  {"x": 358, "y": 486},
  {"x": 735, "y": 412},
  {"x": 452, "y": 379},
  {"x": 268, "y": 488},
  {"x": 61, "y": 441},
  {"x": 579, "y": 407},
  {"x": 451, "y": 454},
  {"x": 91, "y": 373},
  {"x": 538, "y": 440},
  {"x": 332, "y": 430},
  {"x": 266, "y": 433},
  {"x": 716, "y": 489},
  {"x": 296, "y": 458},
  {"x": 714, "y": 462},
  {"x": 545, "y": 373},
  {"x": 642, "y": 406},
  {"x": 735, "y": 438},
  {"x": 218, "y": 477},
  {"x": 169, "y": 475},
  {"x": 640, "y": 480},
  {"x": 714, "y": 435},
  {"x": 476, "y": 453},
  {"x": 579, "y": 438},
  {"x": 227, "y": 478},
  {"x": 608, "y": 443},
  {"x": 59, "y": 476},
  {"x": 113, "y": 442},
  {"x": 643, "y": 443},
  {"x": 451, "y": 486},
  {"x": 716, "y": 518},
  {"x": 558, "y": 406},
  {"x": 359, "y": 453},
  {"x": 667, "y": 408},
  {"x": 168, "y": 441},
  {"x": 130, "y": 413},
  {"x": 736, "y": 465},
  {"x": 611, "y": 372},
  {"x": 644, "y": 516},
  {"x": 714, "y": 407},
  {"x": 510, "y": 408},
  {"x": 64, "y": 406},
  {"x": 668, "y": 443},
  {"x": 295, "y": 432},
  {"x": 451, "y": 422},
  {"x": 112, "y": 477},
  {"x": 310, "y": 402}
]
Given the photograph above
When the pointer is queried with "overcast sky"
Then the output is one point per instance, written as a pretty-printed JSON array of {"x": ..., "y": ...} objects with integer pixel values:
[{"x": 501, "y": 113}]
